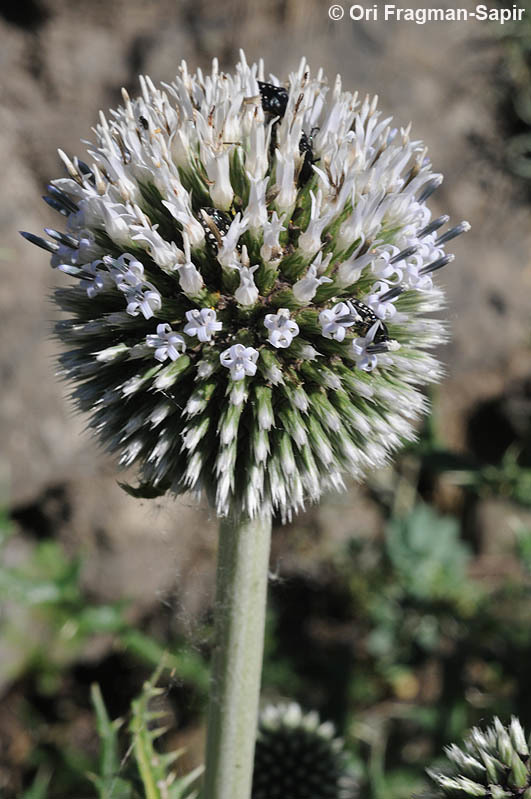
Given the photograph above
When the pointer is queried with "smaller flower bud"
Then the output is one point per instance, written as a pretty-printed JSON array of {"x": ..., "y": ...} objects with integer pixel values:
[
  {"x": 217, "y": 168},
  {"x": 190, "y": 278},
  {"x": 247, "y": 293},
  {"x": 305, "y": 288},
  {"x": 297, "y": 755}
]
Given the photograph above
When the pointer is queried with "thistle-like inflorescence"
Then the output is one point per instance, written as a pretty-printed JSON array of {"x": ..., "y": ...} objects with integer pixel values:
[
  {"x": 252, "y": 269},
  {"x": 298, "y": 757},
  {"x": 493, "y": 763}
]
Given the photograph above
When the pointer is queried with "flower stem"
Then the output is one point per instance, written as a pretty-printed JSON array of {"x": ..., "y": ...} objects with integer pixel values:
[{"x": 241, "y": 591}]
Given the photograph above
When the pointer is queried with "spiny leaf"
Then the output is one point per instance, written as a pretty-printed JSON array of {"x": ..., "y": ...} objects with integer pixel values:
[
  {"x": 109, "y": 783},
  {"x": 154, "y": 768}
]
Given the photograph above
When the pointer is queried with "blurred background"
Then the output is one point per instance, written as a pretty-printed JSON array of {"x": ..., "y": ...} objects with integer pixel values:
[{"x": 400, "y": 610}]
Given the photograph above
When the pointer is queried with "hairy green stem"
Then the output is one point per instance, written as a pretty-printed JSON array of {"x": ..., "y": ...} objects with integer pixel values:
[{"x": 241, "y": 591}]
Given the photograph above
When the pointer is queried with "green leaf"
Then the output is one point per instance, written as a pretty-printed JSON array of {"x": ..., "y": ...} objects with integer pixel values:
[
  {"x": 187, "y": 665},
  {"x": 155, "y": 768},
  {"x": 108, "y": 782},
  {"x": 427, "y": 553},
  {"x": 39, "y": 786}
]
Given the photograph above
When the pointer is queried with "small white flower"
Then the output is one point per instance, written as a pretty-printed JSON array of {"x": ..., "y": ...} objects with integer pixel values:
[
  {"x": 217, "y": 168},
  {"x": 97, "y": 279},
  {"x": 282, "y": 329},
  {"x": 165, "y": 254},
  {"x": 385, "y": 270},
  {"x": 167, "y": 342},
  {"x": 240, "y": 360},
  {"x": 227, "y": 252},
  {"x": 383, "y": 309},
  {"x": 117, "y": 223},
  {"x": 270, "y": 249},
  {"x": 145, "y": 300},
  {"x": 64, "y": 255},
  {"x": 180, "y": 208},
  {"x": 331, "y": 321},
  {"x": 310, "y": 240},
  {"x": 190, "y": 278},
  {"x": 349, "y": 271},
  {"x": 202, "y": 323},
  {"x": 247, "y": 293},
  {"x": 365, "y": 219},
  {"x": 365, "y": 360},
  {"x": 257, "y": 162},
  {"x": 413, "y": 278},
  {"x": 89, "y": 215},
  {"x": 256, "y": 211},
  {"x": 126, "y": 271},
  {"x": 305, "y": 288},
  {"x": 286, "y": 186},
  {"x": 88, "y": 250},
  {"x": 238, "y": 394}
]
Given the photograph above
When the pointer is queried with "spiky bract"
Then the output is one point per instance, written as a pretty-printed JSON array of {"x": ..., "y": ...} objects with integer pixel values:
[
  {"x": 492, "y": 763},
  {"x": 298, "y": 757},
  {"x": 249, "y": 310}
]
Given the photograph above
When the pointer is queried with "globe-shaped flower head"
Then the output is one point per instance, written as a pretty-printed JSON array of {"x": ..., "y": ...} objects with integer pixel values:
[
  {"x": 298, "y": 757},
  {"x": 252, "y": 269},
  {"x": 493, "y": 763}
]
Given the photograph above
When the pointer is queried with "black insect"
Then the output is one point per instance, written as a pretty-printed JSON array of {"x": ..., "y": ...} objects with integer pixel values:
[
  {"x": 306, "y": 147},
  {"x": 366, "y": 319},
  {"x": 215, "y": 223},
  {"x": 143, "y": 121},
  {"x": 274, "y": 98},
  {"x": 273, "y": 139},
  {"x": 275, "y": 101}
]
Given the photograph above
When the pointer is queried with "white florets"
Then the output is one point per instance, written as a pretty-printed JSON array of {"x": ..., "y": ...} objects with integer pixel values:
[
  {"x": 240, "y": 360},
  {"x": 284, "y": 255},
  {"x": 335, "y": 322},
  {"x": 361, "y": 348},
  {"x": 167, "y": 343},
  {"x": 202, "y": 323},
  {"x": 145, "y": 300},
  {"x": 305, "y": 289},
  {"x": 282, "y": 329}
]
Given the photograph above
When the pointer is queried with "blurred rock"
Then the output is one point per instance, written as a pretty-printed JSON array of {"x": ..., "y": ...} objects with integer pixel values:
[
  {"x": 498, "y": 522},
  {"x": 145, "y": 551},
  {"x": 315, "y": 538}
]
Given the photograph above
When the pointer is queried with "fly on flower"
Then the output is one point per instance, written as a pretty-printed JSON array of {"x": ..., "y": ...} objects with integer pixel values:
[
  {"x": 364, "y": 318},
  {"x": 274, "y": 98},
  {"x": 252, "y": 267},
  {"x": 216, "y": 225},
  {"x": 306, "y": 150}
]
